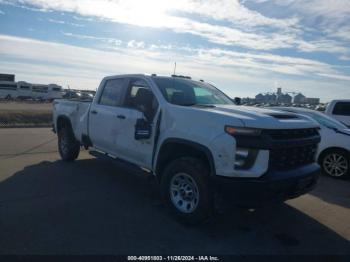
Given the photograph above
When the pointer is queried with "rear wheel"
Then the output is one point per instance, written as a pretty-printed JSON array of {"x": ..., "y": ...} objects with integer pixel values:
[
  {"x": 186, "y": 191},
  {"x": 335, "y": 163},
  {"x": 68, "y": 146}
]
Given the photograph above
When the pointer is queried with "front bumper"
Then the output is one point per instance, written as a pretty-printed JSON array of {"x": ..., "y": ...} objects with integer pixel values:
[{"x": 273, "y": 186}]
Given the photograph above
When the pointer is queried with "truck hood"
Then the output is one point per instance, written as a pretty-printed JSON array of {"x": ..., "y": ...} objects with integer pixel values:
[
  {"x": 264, "y": 118},
  {"x": 345, "y": 131}
]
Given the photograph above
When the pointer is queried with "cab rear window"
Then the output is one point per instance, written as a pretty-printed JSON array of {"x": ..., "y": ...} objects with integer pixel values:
[{"x": 342, "y": 108}]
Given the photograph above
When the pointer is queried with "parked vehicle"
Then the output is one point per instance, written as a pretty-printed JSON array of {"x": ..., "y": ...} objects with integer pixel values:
[
  {"x": 8, "y": 90},
  {"x": 194, "y": 140},
  {"x": 24, "y": 90},
  {"x": 40, "y": 92},
  {"x": 340, "y": 110},
  {"x": 334, "y": 150},
  {"x": 70, "y": 94},
  {"x": 47, "y": 92},
  {"x": 87, "y": 96},
  {"x": 54, "y": 92}
]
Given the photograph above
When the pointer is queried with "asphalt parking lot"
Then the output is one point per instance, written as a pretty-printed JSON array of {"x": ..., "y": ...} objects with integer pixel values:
[{"x": 93, "y": 206}]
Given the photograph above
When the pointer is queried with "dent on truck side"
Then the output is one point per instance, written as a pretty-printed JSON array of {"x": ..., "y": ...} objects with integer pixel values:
[
  {"x": 197, "y": 130},
  {"x": 74, "y": 113},
  {"x": 223, "y": 149}
]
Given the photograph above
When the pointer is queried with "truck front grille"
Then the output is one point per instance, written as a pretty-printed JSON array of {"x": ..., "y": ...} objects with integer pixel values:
[
  {"x": 289, "y": 148},
  {"x": 286, "y": 134},
  {"x": 292, "y": 157},
  {"x": 297, "y": 147}
]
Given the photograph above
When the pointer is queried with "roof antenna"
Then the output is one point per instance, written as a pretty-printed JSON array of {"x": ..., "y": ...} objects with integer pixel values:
[{"x": 175, "y": 68}]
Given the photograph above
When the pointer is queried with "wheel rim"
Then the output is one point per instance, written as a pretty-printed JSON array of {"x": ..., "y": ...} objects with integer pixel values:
[
  {"x": 64, "y": 144},
  {"x": 184, "y": 193},
  {"x": 335, "y": 165}
]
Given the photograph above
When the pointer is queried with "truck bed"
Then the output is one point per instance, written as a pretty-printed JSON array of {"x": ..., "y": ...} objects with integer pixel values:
[{"x": 76, "y": 111}]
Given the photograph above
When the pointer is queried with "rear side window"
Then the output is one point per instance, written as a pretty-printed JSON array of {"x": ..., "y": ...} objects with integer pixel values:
[
  {"x": 112, "y": 92},
  {"x": 342, "y": 109}
]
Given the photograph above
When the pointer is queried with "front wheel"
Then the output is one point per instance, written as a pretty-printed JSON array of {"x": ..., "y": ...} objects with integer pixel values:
[
  {"x": 68, "y": 146},
  {"x": 336, "y": 163},
  {"x": 186, "y": 191}
]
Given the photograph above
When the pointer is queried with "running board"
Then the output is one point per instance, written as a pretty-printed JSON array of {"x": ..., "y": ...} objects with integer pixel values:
[{"x": 120, "y": 162}]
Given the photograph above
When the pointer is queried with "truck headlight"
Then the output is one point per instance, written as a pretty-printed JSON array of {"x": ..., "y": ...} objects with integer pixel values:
[
  {"x": 245, "y": 157},
  {"x": 242, "y": 131}
]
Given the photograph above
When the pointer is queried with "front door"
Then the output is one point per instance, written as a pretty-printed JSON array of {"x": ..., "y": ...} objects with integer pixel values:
[{"x": 141, "y": 104}]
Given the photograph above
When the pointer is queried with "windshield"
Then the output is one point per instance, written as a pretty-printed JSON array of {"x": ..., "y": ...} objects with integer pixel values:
[
  {"x": 325, "y": 120},
  {"x": 186, "y": 92}
]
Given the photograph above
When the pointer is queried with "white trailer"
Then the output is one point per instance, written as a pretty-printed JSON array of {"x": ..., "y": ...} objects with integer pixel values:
[
  {"x": 8, "y": 90},
  {"x": 54, "y": 92},
  {"x": 40, "y": 91},
  {"x": 24, "y": 90}
]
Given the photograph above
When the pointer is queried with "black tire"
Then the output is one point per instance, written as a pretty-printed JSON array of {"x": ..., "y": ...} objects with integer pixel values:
[
  {"x": 68, "y": 146},
  {"x": 198, "y": 175},
  {"x": 343, "y": 170}
]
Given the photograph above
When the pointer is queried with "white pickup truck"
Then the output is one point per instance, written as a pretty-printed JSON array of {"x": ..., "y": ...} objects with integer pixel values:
[
  {"x": 197, "y": 143},
  {"x": 340, "y": 110}
]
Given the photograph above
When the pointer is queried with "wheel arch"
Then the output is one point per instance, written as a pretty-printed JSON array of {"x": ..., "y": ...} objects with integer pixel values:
[
  {"x": 330, "y": 149},
  {"x": 62, "y": 121},
  {"x": 173, "y": 148}
]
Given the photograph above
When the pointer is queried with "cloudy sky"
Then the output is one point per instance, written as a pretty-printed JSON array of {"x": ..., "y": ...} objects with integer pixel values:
[{"x": 243, "y": 47}]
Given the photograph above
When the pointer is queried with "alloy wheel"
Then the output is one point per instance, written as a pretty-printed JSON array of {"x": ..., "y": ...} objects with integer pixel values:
[{"x": 336, "y": 165}]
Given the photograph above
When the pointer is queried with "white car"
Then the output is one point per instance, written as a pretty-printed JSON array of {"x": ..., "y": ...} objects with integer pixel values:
[
  {"x": 194, "y": 140},
  {"x": 340, "y": 110},
  {"x": 334, "y": 149}
]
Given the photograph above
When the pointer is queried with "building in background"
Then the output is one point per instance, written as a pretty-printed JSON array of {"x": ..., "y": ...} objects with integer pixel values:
[
  {"x": 280, "y": 97},
  {"x": 299, "y": 99},
  {"x": 312, "y": 101},
  {"x": 7, "y": 77},
  {"x": 284, "y": 99}
]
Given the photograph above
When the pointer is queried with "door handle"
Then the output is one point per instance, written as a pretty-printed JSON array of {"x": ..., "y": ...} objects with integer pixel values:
[
  {"x": 94, "y": 112},
  {"x": 121, "y": 116}
]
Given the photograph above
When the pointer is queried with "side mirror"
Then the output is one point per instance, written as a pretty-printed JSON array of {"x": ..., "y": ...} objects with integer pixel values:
[
  {"x": 237, "y": 100},
  {"x": 143, "y": 129}
]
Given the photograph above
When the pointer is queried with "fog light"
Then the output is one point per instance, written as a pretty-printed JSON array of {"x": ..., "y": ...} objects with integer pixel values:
[
  {"x": 245, "y": 158},
  {"x": 242, "y": 155}
]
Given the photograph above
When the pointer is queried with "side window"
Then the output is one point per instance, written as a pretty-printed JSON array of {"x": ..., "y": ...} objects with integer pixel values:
[
  {"x": 140, "y": 97},
  {"x": 112, "y": 92},
  {"x": 342, "y": 109}
]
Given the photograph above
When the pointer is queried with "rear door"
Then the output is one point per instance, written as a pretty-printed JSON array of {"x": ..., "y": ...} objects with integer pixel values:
[
  {"x": 106, "y": 114},
  {"x": 341, "y": 112}
]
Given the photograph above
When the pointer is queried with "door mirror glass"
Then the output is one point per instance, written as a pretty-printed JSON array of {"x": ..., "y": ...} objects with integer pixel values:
[{"x": 143, "y": 129}]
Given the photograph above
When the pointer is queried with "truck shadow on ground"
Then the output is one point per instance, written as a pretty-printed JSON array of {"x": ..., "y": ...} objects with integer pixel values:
[{"x": 94, "y": 206}]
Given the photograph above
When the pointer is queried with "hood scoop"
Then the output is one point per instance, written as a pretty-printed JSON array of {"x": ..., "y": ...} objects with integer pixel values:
[{"x": 284, "y": 116}]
